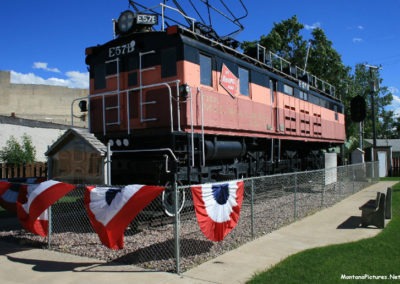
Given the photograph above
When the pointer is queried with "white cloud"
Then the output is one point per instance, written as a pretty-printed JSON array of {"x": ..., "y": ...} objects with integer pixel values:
[
  {"x": 359, "y": 27},
  {"x": 393, "y": 90},
  {"x": 396, "y": 101},
  {"x": 44, "y": 66},
  {"x": 78, "y": 79},
  {"x": 313, "y": 26},
  {"x": 357, "y": 40},
  {"x": 395, "y": 106},
  {"x": 74, "y": 79}
]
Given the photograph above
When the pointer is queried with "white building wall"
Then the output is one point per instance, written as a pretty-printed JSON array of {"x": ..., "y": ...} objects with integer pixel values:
[{"x": 41, "y": 137}]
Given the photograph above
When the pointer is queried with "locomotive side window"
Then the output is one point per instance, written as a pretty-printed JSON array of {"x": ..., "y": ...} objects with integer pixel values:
[
  {"x": 244, "y": 81},
  {"x": 168, "y": 62},
  {"x": 314, "y": 100},
  {"x": 303, "y": 95},
  {"x": 288, "y": 89},
  {"x": 205, "y": 70},
  {"x": 336, "y": 112},
  {"x": 99, "y": 76},
  {"x": 271, "y": 89}
]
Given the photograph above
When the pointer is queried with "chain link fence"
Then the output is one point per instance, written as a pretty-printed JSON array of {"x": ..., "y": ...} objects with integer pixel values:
[
  {"x": 271, "y": 202},
  {"x": 161, "y": 240}
]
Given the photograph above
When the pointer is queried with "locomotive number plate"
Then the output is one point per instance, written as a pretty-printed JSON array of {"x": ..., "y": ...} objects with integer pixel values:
[
  {"x": 146, "y": 19},
  {"x": 121, "y": 49}
]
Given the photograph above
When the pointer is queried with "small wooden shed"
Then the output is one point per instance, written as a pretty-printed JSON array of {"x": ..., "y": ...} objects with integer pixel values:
[{"x": 78, "y": 157}]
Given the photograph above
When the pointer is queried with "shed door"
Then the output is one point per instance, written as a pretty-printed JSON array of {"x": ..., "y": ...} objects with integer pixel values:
[{"x": 382, "y": 158}]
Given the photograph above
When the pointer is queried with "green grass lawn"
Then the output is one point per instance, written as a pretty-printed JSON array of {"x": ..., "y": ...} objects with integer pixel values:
[{"x": 369, "y": 258}]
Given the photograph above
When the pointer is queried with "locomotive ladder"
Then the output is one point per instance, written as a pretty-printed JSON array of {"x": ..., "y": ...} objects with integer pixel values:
[
  {"x": 144, "y": 103},
  {"x": 117, "y": 106}
]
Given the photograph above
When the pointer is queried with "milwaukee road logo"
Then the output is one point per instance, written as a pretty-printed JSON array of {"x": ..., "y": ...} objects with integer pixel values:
[{"x": 229, "y": 81}]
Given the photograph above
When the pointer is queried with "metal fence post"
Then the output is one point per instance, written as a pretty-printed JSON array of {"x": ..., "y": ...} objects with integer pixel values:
[
  {"x": 252, "y": 208},
  {"x": 295, "y": 196},
  {"x": 353, "y": 178},
  {"x": 176, "y": 226},
  {"x": 322, "y": 195},
  {"x": 49, "y": 212}
]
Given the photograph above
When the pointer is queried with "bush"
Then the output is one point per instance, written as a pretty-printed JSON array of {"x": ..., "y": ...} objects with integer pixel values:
[{"x": 16, "y": 153}]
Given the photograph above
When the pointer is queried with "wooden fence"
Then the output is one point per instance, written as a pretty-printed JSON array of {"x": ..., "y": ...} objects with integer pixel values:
[
  {"x": 395, "y": 171},
  {"x": 37, "y": 169}
]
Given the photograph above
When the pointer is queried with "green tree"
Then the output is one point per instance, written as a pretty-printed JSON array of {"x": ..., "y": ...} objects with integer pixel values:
[
  {"x": 361, "y": 84},
  {"x": 15, "y": 153},
  {"x": 396, "y": 127},
  {"x": 325, "y": 62},
  {"x": 285, "y": 40}
]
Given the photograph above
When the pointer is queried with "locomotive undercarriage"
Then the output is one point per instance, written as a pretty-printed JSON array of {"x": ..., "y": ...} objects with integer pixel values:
[{"x": 154, "y": 159}]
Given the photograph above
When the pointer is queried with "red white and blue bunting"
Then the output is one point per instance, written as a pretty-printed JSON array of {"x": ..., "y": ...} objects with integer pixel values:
[
  {"x": 8, "y": 195},
  {"x": 218, "y": 207},
  {"x": 9, "y": 189},
  {"x": 112, "y": 209},
  {"x": 33, "y": 202}
]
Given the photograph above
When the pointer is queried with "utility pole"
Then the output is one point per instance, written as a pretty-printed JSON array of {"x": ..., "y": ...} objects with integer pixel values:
[{"x": 374, "y": 88}]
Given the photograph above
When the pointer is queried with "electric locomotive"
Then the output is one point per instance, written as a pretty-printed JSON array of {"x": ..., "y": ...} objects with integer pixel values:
[{"x": 181, "y": 100}]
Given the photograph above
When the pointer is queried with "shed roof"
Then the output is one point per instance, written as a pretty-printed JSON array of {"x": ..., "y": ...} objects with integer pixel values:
[
  {"x": 395, "y": 143},
  {"x": 81, "y": 133}
]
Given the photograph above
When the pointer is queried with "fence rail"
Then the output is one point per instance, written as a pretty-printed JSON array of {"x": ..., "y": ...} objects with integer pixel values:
[
  {"x": 37, "y": 169},
  {"x": 158, "y": 241}
]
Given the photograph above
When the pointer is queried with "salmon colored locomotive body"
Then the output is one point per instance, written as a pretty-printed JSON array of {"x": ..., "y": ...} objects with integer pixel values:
[{"x": 177, "y": 101}]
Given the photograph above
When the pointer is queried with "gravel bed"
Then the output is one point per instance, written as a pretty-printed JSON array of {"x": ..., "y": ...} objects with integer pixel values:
[{"x": 153, "y": 246}]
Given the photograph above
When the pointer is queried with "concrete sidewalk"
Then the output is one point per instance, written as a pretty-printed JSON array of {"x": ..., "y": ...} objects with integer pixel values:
[{"x": 337, "y": 224}]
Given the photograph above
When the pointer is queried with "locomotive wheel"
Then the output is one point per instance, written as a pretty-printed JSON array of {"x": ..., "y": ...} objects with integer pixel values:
[{"x": 168, "y": 200}]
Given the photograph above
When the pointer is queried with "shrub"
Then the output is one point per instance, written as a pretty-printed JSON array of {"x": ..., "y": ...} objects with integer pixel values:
[{"x": 16, "y": 153}]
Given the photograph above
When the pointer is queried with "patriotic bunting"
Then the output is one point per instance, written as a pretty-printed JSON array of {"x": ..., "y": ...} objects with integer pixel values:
[
  {"x": 8, "y": 195},
  {"x": 33, "y": 201},
  {"x": 112, "y": 209},
  {"x": 218, "y": 207},
  {"x": 10, "y": 188}
]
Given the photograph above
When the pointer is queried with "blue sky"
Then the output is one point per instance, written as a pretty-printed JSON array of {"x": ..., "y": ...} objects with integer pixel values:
[{"x": 44, "y": 41}]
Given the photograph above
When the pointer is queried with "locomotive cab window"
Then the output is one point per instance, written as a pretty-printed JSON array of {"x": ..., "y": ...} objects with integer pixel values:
[
  {"x": 168, "y": 62},
  {"x": 205, "y": 70},
  {"x": 244, "y": 81},
  {"x": 133, "y": 65},
  {"x": 99, "y": 76},
  {"x": 111, "y": 68}
]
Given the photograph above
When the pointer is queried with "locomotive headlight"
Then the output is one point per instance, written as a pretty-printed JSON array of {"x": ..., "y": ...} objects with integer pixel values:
[
  {"x": 184, "y": 91},
  {"x": 83, "y": 106},
  {"x": 125, "y": 21}
]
